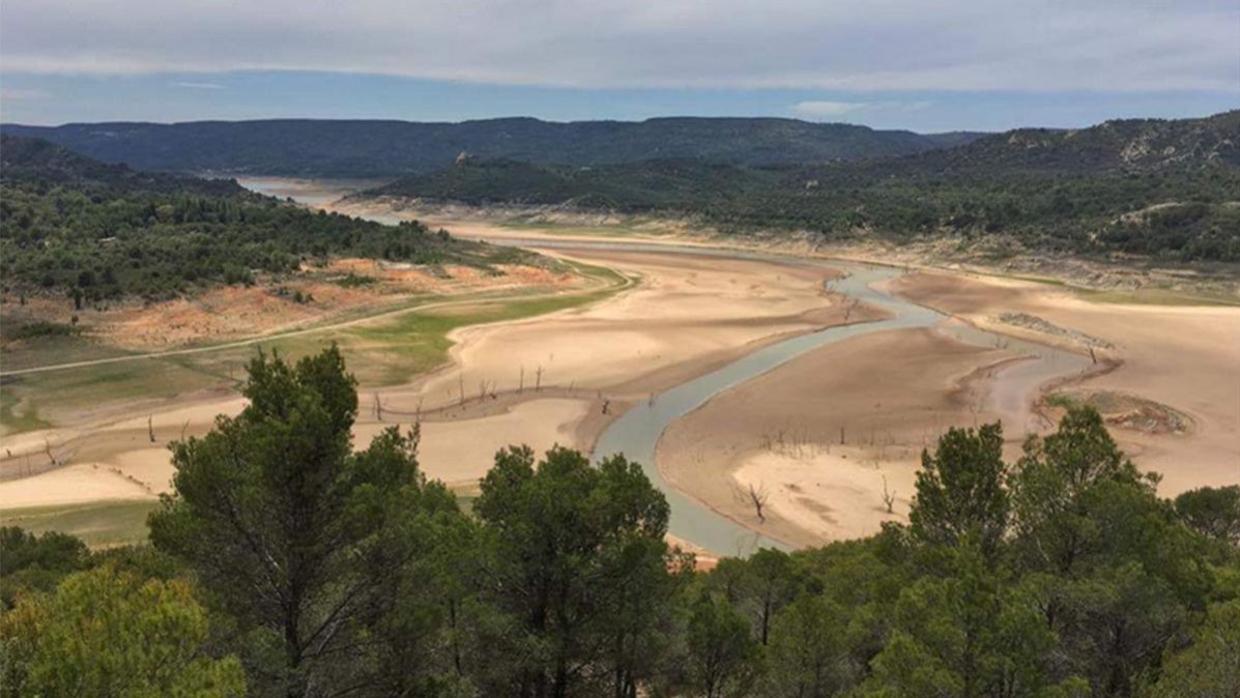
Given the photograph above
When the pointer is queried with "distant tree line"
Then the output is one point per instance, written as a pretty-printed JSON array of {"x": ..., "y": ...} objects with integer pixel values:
[
  {"x": 287, "y": 563},
  {"x": 1179, "y": 213}
]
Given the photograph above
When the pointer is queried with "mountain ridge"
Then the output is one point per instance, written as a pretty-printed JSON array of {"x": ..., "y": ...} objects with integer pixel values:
[
  {"x": 385, "y": 147},
  {"x": 1148, "y": 187}
]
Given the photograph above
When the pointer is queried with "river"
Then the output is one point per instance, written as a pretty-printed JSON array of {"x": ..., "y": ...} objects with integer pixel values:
[{"x": 636, "y": 433}]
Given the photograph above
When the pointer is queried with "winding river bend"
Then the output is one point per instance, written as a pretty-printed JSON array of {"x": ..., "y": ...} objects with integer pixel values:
[{"x": 636, "y": 433}]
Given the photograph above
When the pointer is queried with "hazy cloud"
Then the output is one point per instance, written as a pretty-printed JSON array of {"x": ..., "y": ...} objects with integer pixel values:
[
  {"x": 823, "y": 109},
  {"x": 198, "y": 85},
  {"x": 18, "y": 94},
  {"x": 853, "y": 45},
  {"x": 819, "y": 109}
]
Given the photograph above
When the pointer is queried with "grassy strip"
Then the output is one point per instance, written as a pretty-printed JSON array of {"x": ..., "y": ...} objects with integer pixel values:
[
  {"x": 616, "y": 230},
  {"x": 393, "y": 352},
  {"x": 99, "y": 524},
  {"x": 26, "y": 420},
  {"x": 385, "y": 352}
]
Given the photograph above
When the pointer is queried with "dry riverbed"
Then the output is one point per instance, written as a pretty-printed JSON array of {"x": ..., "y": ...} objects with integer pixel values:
[{"x": 830, "y": 440}]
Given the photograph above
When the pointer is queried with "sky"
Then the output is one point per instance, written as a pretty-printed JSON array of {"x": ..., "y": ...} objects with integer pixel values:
[{"x": 924, "y": 66}]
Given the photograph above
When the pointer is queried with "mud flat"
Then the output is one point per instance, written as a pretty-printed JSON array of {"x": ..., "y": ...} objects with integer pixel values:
[
  {"x": 686, "y": 315},
  {"x": 1186, "y": 358},
  {"x": 819, "y": 435}
]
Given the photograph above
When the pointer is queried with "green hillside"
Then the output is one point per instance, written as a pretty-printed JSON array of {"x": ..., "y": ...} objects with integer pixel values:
[{"x": 1167, "y": 189}]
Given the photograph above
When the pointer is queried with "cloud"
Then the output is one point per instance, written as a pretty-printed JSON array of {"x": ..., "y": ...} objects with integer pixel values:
[
  {"x": 198, "y": 85},
  {"x": 853, "y": 45},
  {"x": 824, "y": 109},
  {"x": 20, "y": 94}
]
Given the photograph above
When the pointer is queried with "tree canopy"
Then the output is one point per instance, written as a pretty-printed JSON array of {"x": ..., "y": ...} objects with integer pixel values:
[{"x": 290, "y": 563}]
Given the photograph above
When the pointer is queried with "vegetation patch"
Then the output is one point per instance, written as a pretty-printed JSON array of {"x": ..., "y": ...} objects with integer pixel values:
[
  {"x": 1125, "y": 411},
  {"x": 1037, "y": 324},
  {"x": 101, "y": 525},
  {"x": 41, "y": 329}
]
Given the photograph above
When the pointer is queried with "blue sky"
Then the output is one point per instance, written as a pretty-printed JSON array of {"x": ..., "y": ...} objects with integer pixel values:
[{"x": 884, "y": 63}]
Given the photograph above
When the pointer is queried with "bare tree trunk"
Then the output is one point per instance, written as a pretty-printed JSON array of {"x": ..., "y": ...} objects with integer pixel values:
[{"x": 758, "y": 497}]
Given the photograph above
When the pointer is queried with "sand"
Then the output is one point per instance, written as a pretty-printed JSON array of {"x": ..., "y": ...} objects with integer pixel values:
[
  {"x": 1185, "y": 357},
  {"x": 461, "y": 452},
  {"x": 688, "y": 315},
  {"x": 687, "y": 310},
  {"x": 74, "y": 484},
  {"x": 891, "y": 393}
]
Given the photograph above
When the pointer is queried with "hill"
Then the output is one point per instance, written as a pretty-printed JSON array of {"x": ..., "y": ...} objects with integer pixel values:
[
  {"x": 73, "y": 225},
  {"x": 375, "y": 148},
  {"x": 1161, "y": 188},
  {"x": 34, "y": 160}
]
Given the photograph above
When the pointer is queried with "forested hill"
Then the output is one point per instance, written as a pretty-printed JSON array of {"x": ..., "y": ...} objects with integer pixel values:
[
  {"x": 1125, "y": 145},
  {"x": 34, "y": 160},
  {"x": 1161, "y": 188},
  {"x": 72, "y": 225},
  {"x": 375, "y": 148}
]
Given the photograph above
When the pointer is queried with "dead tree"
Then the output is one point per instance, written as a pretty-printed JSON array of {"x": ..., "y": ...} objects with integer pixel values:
[
  {"x": 1092, "y": 356},
  {"x": 889, "y": 497},
  {"x": 538, "y": 379},
  {"x": 378, "y": 408},
  {"x": 758, "y": 497},
  {"x": 606, "y": 406},
  {"x": 150, "y": 429},
  {"x": 51, "y": 457},
  {"x": 841, "y": 434},
  {"x": 851, "y": 307}
]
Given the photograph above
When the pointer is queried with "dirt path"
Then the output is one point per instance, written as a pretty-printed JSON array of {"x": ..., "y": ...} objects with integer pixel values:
[{"x": 354, "y": 322}]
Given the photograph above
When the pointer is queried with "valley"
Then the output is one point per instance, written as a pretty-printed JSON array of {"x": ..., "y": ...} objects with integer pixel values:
[{"x": 826, "y": 433}]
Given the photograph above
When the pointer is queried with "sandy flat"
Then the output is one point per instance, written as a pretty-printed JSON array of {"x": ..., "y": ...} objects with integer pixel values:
[
  {"x": 891, "y": 393},
  {"x": 75, "y": 484},
  {"x": 831, "y": 492},
  {"x": 461, "y": 452},
  {"x": 686, "y": 309},
  {"x": 1185, "y": 357},
  {"x": 687, "y": 315}
]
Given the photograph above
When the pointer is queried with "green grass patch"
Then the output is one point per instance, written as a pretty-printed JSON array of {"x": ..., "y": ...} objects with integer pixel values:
[
  {"x": 355, "y": 281},
  {"x": 99, "y": 524},
  {"x": 33, "y": 330},
  {"x": 16, "y": 417},
  {"x": 1062, "y": 400},
  {"x": 394, "y": 351},
  {"x": 1157, "y": 296}
]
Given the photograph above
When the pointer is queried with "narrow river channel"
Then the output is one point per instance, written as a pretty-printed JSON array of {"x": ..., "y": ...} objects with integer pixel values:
[{"x": 636, "y": 433}]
